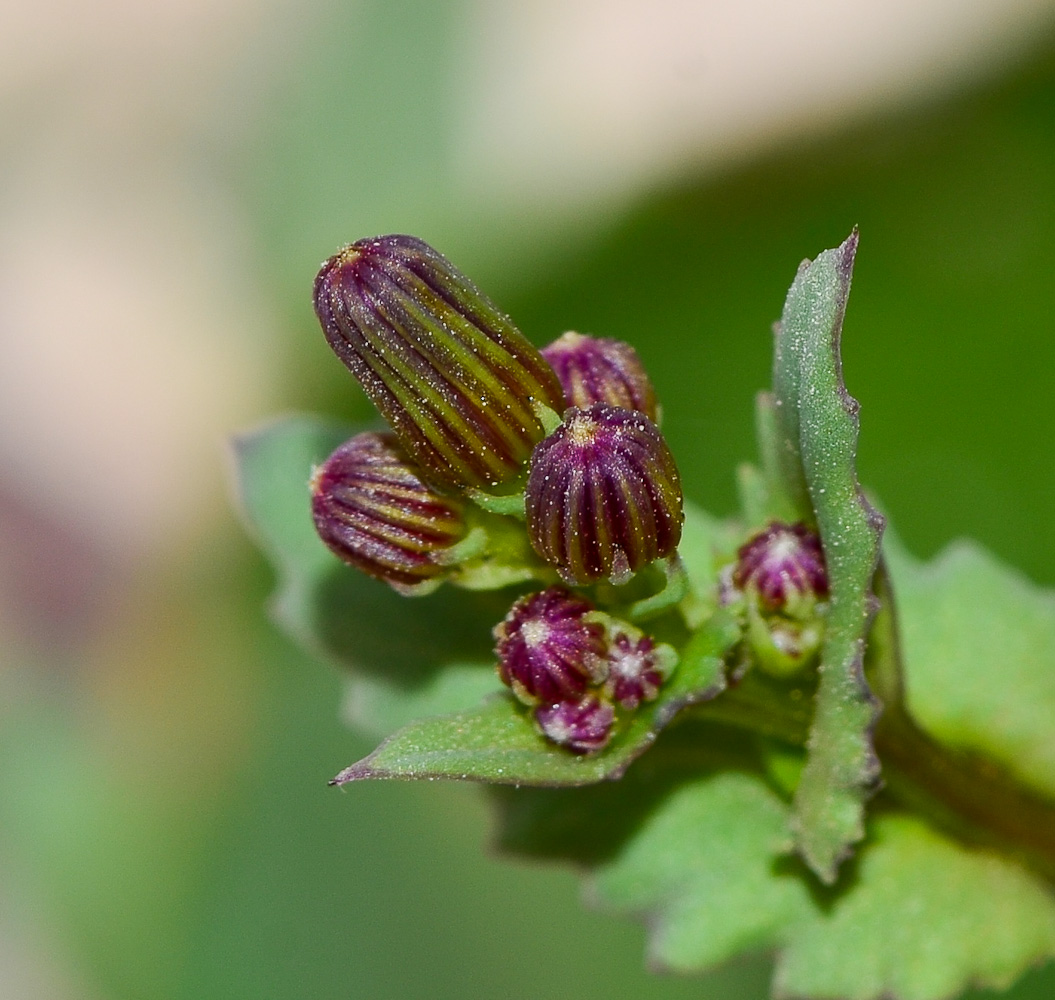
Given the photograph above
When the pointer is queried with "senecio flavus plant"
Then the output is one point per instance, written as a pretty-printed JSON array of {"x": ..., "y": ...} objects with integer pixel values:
[{"x": 799, "y": 740}]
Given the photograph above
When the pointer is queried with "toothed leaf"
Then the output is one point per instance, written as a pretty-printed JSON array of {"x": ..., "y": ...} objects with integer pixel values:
[{"x": 818, "y": 424}]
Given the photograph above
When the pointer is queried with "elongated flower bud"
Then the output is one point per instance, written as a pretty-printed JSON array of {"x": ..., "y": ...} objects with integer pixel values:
[
  {"x": 599, "y": 370},
  {"x": 603, "y": 496},
  {"x": 458, "y": 383},
  {"x": 784, "y": 565},
  {"x": 582, "y": 726},
  {"x": 547, "y": 650},
  {"x": 372, "y": 509}
]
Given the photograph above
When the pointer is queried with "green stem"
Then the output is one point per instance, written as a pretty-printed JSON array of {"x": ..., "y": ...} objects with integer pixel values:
[
  {"x": 964, "y": 794},
  {"x": 969, "y": 796}
]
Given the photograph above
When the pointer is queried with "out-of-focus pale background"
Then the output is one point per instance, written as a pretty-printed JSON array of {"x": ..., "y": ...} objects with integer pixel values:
[{"x": 171, "y": 174}]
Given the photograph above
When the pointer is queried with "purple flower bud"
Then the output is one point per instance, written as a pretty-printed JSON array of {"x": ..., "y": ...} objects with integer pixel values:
[
  {"x": 372, "y": 509},
  {"x": 784, "y": 565},
  {"x": 603, "y": 497},
  {"x": 581, "y": 726},
  {"x": 636, "y": 670},
  {"x": 461, "y": 387},
  {"x": 547, "y": 650},
  {"x": 598, "y": 370}
]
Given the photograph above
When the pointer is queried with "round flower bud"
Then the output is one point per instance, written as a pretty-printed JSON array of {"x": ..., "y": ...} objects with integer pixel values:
[
  {"x": 372, "y": 509},
  {"x": 461, "y": 387},
  {"x": 599, "y": 370},
  {"x": 603, "y": 497},
  {"x": 636, "y": 669},
  {"x": 547, "y": 650},
  {"x": 582, "y": 726},
  {"x": 784, "y": 565}
]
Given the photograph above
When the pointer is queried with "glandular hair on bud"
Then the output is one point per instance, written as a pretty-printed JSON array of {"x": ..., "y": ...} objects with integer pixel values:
[
  {"x": 604, "y": 497},
  {"x": 373, "y": 510},
  {"x": 599, "y": 370},
  {"x": 462, "y": 388}
]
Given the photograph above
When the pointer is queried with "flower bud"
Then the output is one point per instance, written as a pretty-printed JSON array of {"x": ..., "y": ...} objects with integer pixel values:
[
  {"x": 461, "y": 387},
  {"x": 784, "y": 565},
  {"x": 547, "y": 650},
  {"x": 637, "y": 668},
  {"x": 603, "y": 497},
  {"x": 598, "y": 370},
  {"x": 582, "y": 726},
  {"x": 783, "y": 646},
  {"x": 372, "y": 509}
]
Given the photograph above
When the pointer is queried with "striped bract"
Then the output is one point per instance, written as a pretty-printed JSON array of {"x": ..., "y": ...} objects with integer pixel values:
[
  {"x": 599, "y": 370},
  {"x": 603, "y": 496},
  {"x": 372, "y": 509},
  {"x": 457, "y": 382}
]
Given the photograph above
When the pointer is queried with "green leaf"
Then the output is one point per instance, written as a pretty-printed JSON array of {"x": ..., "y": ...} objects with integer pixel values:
[
  {"x": 924, "y": 919},
  {"x": 694, "y": 840},
  {"x": 705, "y": 868},
  {"x": 497, "y": 742},
  {"x": 765, "y": 495},
  {"x": 978, "y": 642},
  {"x": 818, "y": 426},
  {"x": 407, "y": 656},
  {"x": 707, "y": 543},
  {"x": 377, "y": 707}
]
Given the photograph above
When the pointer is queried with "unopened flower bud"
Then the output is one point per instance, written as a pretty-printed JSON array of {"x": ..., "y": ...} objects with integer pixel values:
[
  {"x": 637, "y": 668},
  {"x": 783, "y": 646},
  {"x": 603, "y": 498},
  {"x": 372, "y": 509},
  {"x": 461, "y": 387},
  {"x": 599, "y": 370},
  {"x": 582, "y": 726},
  {"x": 784, "y": 565},
  {"x": 547, "y": 649}
]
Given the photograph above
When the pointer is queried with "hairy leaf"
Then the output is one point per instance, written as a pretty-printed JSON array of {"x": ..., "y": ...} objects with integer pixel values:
[
  {"x": 921, "y": 919},
  {"x": 924, "y": 919},
  {"x": 707, "y": 868},
  {"x": 817, "y": 421}
]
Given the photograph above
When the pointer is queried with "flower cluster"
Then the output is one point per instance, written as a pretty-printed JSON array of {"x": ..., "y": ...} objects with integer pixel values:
[
  {"x": 504, "y": 463},
  {"x": 573, "y": 665}
]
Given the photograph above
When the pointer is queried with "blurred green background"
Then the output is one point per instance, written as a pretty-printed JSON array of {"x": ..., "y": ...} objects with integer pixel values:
[{"x": 165, "y": 826}]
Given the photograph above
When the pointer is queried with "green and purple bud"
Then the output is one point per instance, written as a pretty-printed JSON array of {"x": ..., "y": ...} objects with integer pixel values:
[
  {"x": 547, "y": 649},
  {"x": 784, "y": 566},
  {"x": 372, "y": 509},
  {"x": 466, "y": 394},
  {"x": 583, "y": 726},
  {"x": 780, "y": 580},
  {"x": 598, "y": 370},
  {"x": 603, "y": 498}
]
